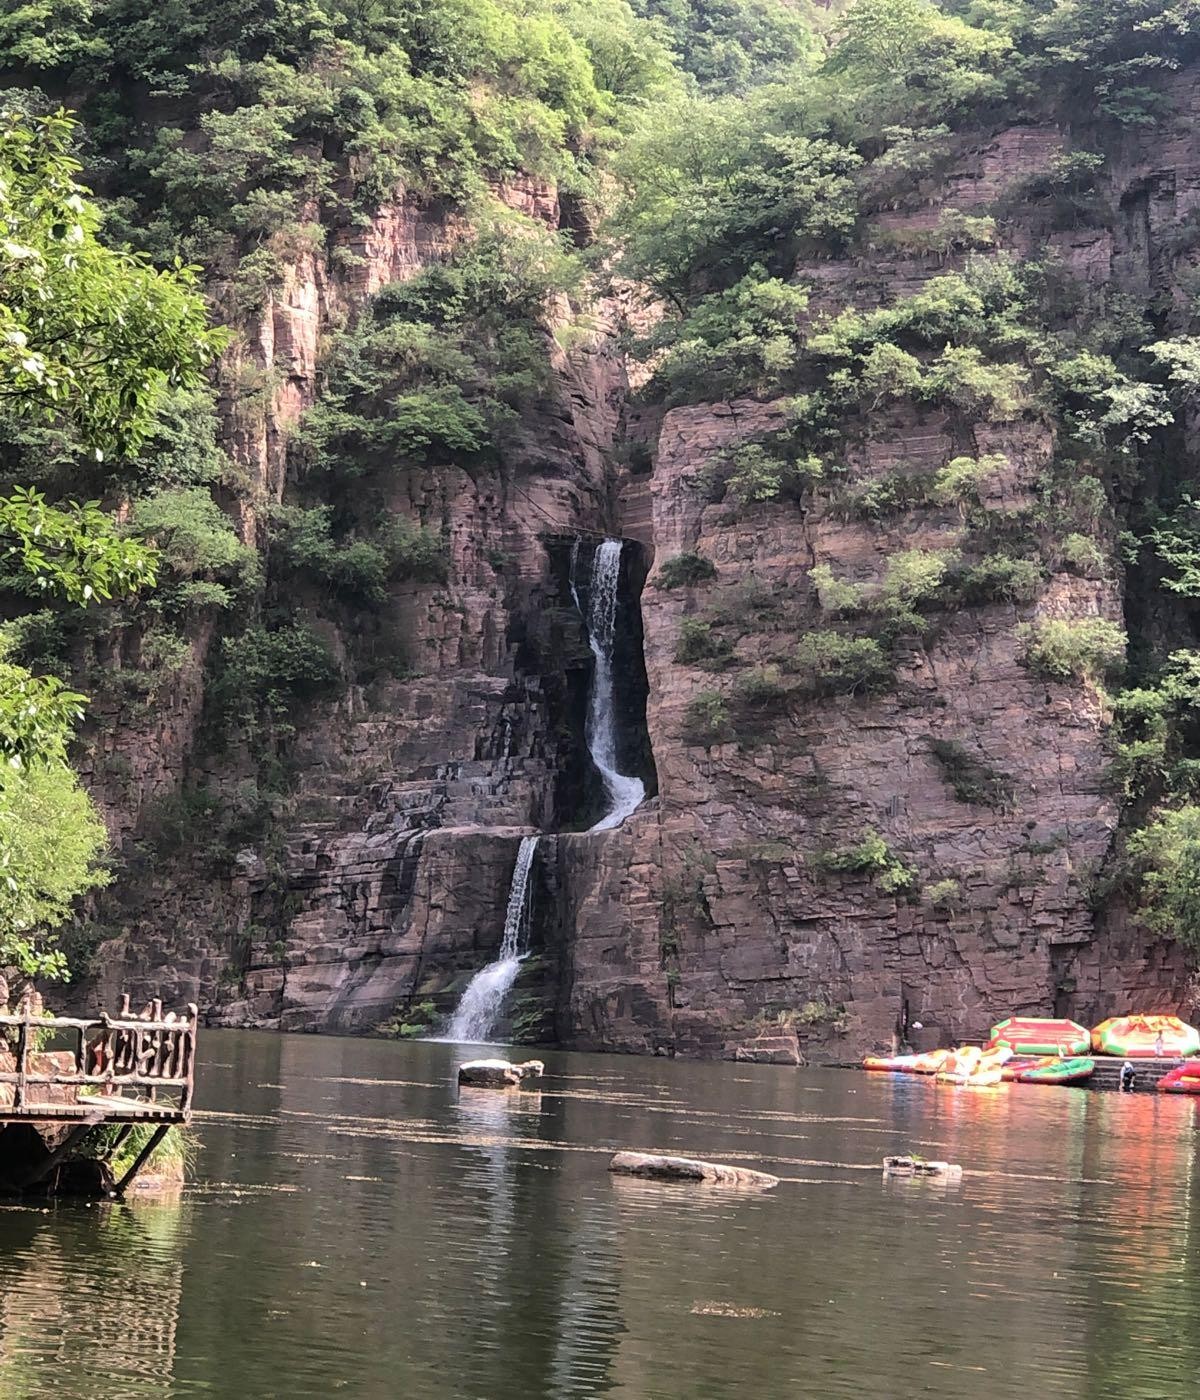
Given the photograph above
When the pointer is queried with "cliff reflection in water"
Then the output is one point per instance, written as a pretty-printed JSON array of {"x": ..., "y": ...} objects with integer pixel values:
[{"x": 362, "y": 1228}]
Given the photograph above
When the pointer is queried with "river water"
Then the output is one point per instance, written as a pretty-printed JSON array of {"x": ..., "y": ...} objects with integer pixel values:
[{"x": 358, "y": 1228}]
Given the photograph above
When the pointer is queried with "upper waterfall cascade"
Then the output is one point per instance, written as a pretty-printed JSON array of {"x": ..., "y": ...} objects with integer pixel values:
[
  {"x": 625, "y": 794},
  {"x": 479, "y": 1009}
]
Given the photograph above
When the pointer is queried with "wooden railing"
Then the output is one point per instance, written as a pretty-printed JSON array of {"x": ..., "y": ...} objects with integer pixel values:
[{"x": 128, "y": 1060}]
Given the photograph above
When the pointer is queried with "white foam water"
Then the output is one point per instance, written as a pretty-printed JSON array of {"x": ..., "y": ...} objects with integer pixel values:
[
  {"x": 625, "y": 793},
  {"x": 479, "y": 1008}
]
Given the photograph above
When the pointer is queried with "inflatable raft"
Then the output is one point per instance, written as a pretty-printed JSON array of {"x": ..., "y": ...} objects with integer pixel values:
[
  {"x": 1183, "y": 1079},
  {"x": 975, "y": 1079},
  {"x": 974, "y": 1067},
  {"x": 928, "y": 1063},
  {"x": 890, "y": 1064},
  {"x": 1017, "y": 1066},
  {"x": 1037, "y": 1035},
  {"x": 1134, "y": 1037},
  {"x": 1056, "y": 1071}
]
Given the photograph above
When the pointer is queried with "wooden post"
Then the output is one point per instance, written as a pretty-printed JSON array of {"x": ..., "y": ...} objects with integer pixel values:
[
  {"x": 118, "y": 1141},
  {"x": 156, "y": 1137},
  {"x": 22, "y": 1059}
]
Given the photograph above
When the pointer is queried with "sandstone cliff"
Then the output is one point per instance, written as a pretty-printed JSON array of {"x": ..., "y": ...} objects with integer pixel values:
[{"x": 708, "y": 924}]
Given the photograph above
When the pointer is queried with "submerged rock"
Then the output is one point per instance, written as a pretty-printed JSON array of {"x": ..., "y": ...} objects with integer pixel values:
[
  {"x": 499, "y": 1074},
  {"x": 657, "y": 1168},
  {"x": 918, "y": 1166}
]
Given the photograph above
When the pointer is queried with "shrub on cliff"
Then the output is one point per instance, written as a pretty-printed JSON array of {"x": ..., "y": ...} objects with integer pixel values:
[
  {"x": 757, "y": 473},
  {"x": 356, "y": 568},
  {"x": 962, "y": 376},
  {"x": 830, "y": 663},
  {"x": 1082, "y": 555},
  {"x": 685, "y": 571},
  {"x": 954, "y": 231},
  {"x": 270, "y": 672},
  {"x": 415, "y": 552},
  {"x": 196, "y": 542},
  {"x": 835, "y": 595},
  {"x": 1155, "y": 724},
  {"x": 761, "y": 688},
  {"x": 999, "y": 578},
  {"x": 971, "y": 777},
  {"x": 944, "y": 894},
  {"x": 698, "y": 645},
  {"x": 737, "y": 342},
  {"x": 962, "y": 479},
  {"x": 1061, "y": 648},
  {"x": 871, "y": 856},
  {"x": 360, "y": 568},
  {"x": 706, "y": 720}
]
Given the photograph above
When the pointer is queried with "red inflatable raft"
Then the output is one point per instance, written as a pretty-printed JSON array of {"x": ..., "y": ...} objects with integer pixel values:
[
  {"x": 1143, "y": 1037},
  {"x": 1037, "y": 1035},
  {"x": 1183, "y": 1079}
]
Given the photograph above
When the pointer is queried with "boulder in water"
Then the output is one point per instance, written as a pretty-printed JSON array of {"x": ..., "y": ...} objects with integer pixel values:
[
  {"x": 918, "y": 1166},
  {"x": 498, "y": 1074},
  {"x": 658, "y": 1168}
]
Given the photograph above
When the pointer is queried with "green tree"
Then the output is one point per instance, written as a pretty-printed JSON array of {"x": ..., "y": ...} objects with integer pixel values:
[
  {"x": 1168, "y": 854},
  {"x": 90, "y": 340},
  {"x": 907, "y": 61},
  {"x": 714, "y": 188},
  {"x": 730, "y": 45},
  {"x": 51, "y": 844},
  {"x": 89, "y": 336}
]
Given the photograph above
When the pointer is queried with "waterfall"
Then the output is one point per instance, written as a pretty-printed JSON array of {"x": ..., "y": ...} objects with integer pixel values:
[
  {"x": 625, "y": 794},
  {"x": 479, "y": 1009}
]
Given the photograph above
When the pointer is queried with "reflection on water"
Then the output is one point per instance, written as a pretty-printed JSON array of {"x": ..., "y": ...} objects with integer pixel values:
[
  {"x": 90, "y": 1300},
  {"x": 361, "y": 1227}
]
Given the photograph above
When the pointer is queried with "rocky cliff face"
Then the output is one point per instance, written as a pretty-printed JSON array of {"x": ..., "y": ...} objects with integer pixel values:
[
  {"x": 389, "y": 882},
  {"x": 707, "y": 924}
]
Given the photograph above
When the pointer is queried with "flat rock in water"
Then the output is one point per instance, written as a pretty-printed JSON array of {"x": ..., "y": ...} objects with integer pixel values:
[
  {"x": 657, "y": 1168},
  {"x": 918, "y": 1166},
  {"x": 498, "y": 1074}
]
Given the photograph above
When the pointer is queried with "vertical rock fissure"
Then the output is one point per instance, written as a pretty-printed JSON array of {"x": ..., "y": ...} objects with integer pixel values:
[
  {"x": 478, "y": 1011},
  {"x": 598, "y": 601},
  {"x": 624, "y": 792}
]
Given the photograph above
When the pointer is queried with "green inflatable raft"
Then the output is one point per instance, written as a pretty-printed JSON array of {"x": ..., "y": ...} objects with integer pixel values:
[{"x": 1058, "y": 1071}]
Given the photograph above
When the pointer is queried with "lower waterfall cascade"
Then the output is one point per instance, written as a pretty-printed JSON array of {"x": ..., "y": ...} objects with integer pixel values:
[
  {"x": 482, "y": 1001},
  {"x": 625, "y": 793}
]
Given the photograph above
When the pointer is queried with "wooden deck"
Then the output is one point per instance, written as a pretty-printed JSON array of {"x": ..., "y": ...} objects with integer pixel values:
[{"x": 124, "y": 1068}]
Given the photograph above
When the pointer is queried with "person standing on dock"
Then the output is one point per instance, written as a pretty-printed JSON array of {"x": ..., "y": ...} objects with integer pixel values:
[
  {"x": 1128, "y": 1077},
  {"x": 1158, "y": 1045}
]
